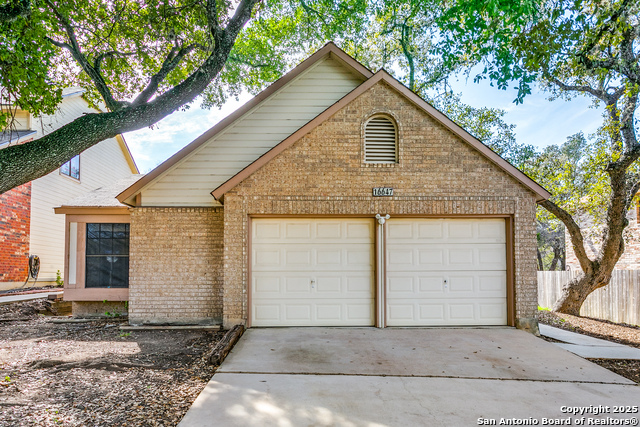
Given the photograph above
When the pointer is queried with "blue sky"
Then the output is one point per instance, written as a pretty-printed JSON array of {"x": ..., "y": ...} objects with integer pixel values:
[{"x": 539, "y": 122}]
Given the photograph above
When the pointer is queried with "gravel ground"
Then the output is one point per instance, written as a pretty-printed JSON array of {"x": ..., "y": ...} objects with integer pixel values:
[
  {"x": 603, "y": 329},
  {"x": 93, "y": 374}
]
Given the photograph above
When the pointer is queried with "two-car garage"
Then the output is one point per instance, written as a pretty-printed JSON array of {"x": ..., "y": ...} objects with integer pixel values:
[{"x": 331, "y": 272}]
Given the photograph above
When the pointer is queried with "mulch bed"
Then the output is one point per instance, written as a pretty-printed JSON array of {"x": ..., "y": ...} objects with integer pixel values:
[
  {"x": 94, "y": 374},
  {"x": 33, "y": 290},
  {"x": 602, "y": 329}
]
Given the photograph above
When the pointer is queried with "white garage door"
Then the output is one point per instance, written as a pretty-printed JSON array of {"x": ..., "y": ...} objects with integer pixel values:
[
  {"x": 446, "y": 272},
  {"x": 312, "y": 272}
]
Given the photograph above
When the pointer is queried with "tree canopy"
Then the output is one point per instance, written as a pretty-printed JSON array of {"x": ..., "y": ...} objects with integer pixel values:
[
  {"x": 570, "y": 48},
  {"x": 140, "y": 61}
]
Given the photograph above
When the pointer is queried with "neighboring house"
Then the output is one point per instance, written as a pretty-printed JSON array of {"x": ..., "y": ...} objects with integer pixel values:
[
  {"x": 277, "y": 216},
  {"x": 28, "y": 224},
  {"x": 630, "y": 259}
]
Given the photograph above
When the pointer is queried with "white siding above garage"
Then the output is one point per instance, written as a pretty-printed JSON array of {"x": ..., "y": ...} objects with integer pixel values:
[{"x": 191, "y": 181}]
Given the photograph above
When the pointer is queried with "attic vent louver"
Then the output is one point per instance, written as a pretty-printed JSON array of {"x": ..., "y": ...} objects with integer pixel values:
[{"x": 380, "y": 141}]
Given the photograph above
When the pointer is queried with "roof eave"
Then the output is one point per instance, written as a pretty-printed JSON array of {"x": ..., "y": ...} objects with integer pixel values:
[{"x": 92, "y": 210}]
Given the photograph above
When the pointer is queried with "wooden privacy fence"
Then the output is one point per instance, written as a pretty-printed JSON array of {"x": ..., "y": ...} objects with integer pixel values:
[{"x": 619, "y": 301}]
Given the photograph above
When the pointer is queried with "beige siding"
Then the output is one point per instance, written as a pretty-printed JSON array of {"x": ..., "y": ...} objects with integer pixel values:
[
  {"x": 192, "y": 180},
  {"x": 22, "y": 120},
  {"x": 100, "y": 165}
]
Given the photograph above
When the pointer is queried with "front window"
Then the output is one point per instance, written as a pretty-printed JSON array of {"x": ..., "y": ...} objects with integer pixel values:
[
  {"x": 71, "y": 168},
  {"x": 107, "y": 256}
]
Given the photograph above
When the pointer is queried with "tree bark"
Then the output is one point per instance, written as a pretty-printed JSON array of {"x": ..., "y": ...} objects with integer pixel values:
[
  {"x": 597, "y": 272},
  {"x": 540, "y": 263}
]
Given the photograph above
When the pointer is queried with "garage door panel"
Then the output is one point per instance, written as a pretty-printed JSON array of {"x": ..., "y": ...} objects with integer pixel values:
[
  {"x": 266, "y": 230},
  {"x": 400, "y": 256},
  {"x": 312, "y": 272},
  {"x": 272, "y": 285},
  {"x": 432, "y": 285},
  {"x": 299, "y": 257},
  {"x": 461, "y": 257},
  {"x": 411, "y": 312},
  {"x": 441, "y": 256},
  {"x": 448, "y": 231},
  {"x": 266, "y": 257},
  {"x": 266, "y": 313},
  {"x": 297, "y": 285},
  {"x": 446, "y": 272},
  {"x": 297, "y": 313},
  {"x": 328, "y": 312},
  {"x": 399, "y": 311},
  {"x": 325, "y": 312},
  {"x": 329, "y": 257},
  {"x": 297, "y": 230},
  {"x": 266, "y": 285}
]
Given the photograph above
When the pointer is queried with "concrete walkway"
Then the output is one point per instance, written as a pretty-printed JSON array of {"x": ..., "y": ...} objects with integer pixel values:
[
  {"x": 400, "y": 377},
  {"x": 589, "y": 347},
  {"x": 27, "y": 297}
]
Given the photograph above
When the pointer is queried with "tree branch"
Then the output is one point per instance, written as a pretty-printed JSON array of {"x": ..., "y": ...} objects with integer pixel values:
[
  {"x": 598, "y": 93},
  {"x": 97, "y": 62},
  {"x": 74, "y": 48},
  {"x": 212, "y": 20},
  {"x": 577, "y": 239},
  {"x": 170, "y": 63},
  {"x": 604, "y": 28},
  {"x": 312, "y": 11},
  {"x": 237, "y": 60},
  {"x": 26, "y": 162}
]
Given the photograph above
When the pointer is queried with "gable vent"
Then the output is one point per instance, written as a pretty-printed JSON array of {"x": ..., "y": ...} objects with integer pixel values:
[{"x": 380, "y": 141}]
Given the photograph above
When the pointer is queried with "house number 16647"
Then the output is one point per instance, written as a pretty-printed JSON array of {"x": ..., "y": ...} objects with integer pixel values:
[{"x": 382, "y": 191}]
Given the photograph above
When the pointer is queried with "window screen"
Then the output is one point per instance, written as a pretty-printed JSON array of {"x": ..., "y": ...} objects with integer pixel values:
[{"x": 107, "y": 256}]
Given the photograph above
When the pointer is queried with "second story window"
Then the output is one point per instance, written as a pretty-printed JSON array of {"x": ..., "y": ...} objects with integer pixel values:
[{"x": 71, "y": 168}]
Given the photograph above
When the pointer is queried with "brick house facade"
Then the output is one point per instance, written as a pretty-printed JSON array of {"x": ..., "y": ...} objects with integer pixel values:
[
  {"x": 15, "y": 221},
  {"x": 199, "y": 264}
]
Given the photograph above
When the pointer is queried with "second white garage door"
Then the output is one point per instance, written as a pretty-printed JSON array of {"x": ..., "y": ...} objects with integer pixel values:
[
  {"x": 446, "y": 272},
  {"x": 312, "y": 272}
]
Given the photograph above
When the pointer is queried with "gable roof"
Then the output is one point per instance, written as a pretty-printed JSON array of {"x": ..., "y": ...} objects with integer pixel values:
[
  {"x": 371, "y": 79},
  {"x": 329, "y": 50},
  {"x": 383, "y": 76}
]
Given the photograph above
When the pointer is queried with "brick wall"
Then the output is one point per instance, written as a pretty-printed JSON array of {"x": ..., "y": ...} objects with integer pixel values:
[
  {"x": 175, "y": 265},
  {"x": 15, "y": 223},
  {"x": 323, "y": 173}
]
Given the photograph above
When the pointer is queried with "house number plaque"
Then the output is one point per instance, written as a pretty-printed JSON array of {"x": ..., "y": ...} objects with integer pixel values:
[{"x": 382, "y": 191}]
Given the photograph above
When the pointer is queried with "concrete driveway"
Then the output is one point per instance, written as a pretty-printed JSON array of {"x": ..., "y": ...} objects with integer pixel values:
[{"x": 406, "y": 377}]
